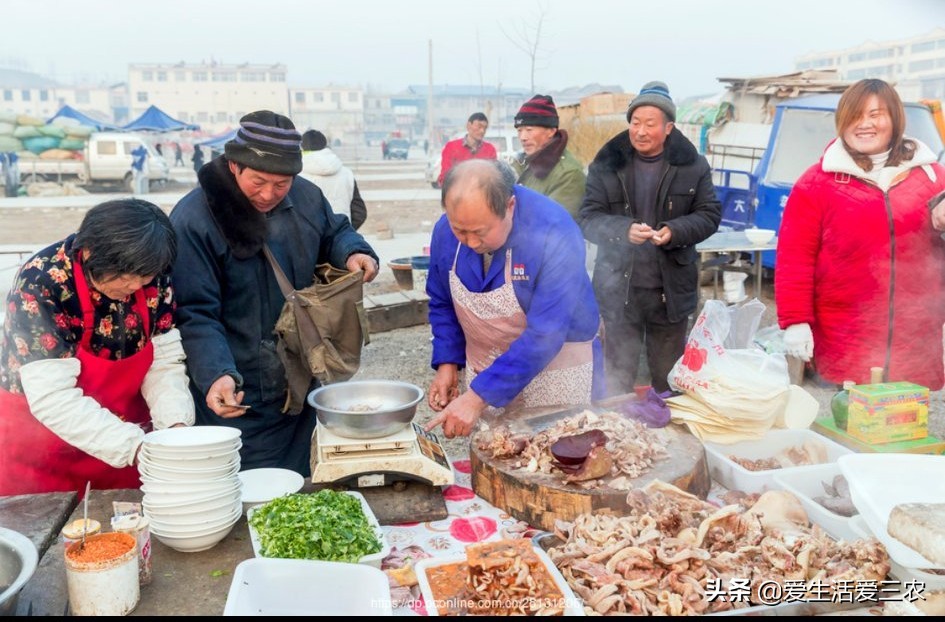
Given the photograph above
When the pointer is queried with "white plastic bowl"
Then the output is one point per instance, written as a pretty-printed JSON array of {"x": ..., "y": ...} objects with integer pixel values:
[
  {"x": 759, "y": 236},
  {"x": 264, "y": 485},
  {"x": 196, "y": 528},
  {"x": 195, "y": 542},
  {"x": 191, "y": 505},
  {"x": 805, "y": 483},
  {"x": 173, "y": 522},
  {"x": 193, "y": 437},
  {"x": 201, "y": 460},
  {"x": 191, "y": 486},
  {"x": 173, "y": 475}
]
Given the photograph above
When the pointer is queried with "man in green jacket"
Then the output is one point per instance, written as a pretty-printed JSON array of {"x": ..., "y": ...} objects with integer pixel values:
[{"x": 546, "y": 165}]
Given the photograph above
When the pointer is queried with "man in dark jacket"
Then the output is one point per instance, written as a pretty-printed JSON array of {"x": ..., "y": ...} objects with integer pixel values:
[
  {"x": 228, "y": 299},
  {"x": 649, "y": 201}
]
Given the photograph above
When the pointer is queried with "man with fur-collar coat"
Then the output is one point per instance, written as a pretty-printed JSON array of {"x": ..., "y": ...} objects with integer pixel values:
[
  {"x": 649, "y": 201},
  {"x": 228, "y": 299}
]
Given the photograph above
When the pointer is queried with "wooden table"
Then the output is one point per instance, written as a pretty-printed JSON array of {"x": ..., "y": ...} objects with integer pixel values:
[
  {"x": 733, "y": 243},
  {"x": 186, "y": 584}
]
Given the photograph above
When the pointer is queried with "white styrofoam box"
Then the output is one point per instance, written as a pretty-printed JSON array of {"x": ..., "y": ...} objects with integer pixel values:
[
  {"x": 572, "y": 604},
  {"x": 736, "y": 477},
  {"x": 880, "y": 482},
  {"x": 265, "y": 586},
  {"x": 932, "y": 581},
  {"x": 805, "y": 483},
  {"x": 373, "y": 559}
]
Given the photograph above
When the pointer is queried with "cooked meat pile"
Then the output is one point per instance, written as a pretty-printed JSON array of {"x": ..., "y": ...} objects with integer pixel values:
[
  {"x": 630, "y": 449},
  {"x": 660, "y": 558}
]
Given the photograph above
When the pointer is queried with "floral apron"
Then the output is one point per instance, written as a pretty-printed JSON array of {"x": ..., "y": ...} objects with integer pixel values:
[
  {"x": 33, "y": 459},
  {"x": 491, "y": 321}
]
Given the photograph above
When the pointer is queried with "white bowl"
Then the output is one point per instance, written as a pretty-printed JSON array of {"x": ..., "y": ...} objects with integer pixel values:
[
  {"x": 805, "y": 483},
  {"x": 193, "y": 437},
  {"x": 195, "y": 542},
  {"x": 203, "y": 459},
  {"x": 759, "y": 236},
  {"x": 168, "y": 521},
  {"x": 287, "y": 587},
  {"x": 187, "y": 487},
  {"x": 264, "y": 485},
  {"x": 174, "y": 475},
  {"x": 191, "y": 505},
  {"x": 196, "y": 528},
  {"x": 225, "y": 463}
]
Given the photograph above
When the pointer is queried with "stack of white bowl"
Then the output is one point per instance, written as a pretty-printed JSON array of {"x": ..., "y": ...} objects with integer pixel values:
[{"x": 192, "y": 491}]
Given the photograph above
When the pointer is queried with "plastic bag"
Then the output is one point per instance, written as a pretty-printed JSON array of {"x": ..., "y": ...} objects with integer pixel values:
[
  {"x": 739, "y": 388},
  {"x": 652, "y": 410}
]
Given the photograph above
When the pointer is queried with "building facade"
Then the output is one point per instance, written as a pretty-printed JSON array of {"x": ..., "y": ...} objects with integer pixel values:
[
  {"x": 336, "y": 111},
  {"x": 916, "y": 65},
  {"x": 212, "y": 95},
  {"x": 27, "y": 93}
]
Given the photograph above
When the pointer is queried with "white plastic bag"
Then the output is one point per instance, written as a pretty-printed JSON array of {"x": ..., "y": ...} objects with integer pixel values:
[{"x": 739, "y": 389}]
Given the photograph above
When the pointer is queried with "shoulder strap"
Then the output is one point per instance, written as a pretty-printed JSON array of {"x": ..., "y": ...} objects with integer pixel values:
[{"x": 283, "y": 281}]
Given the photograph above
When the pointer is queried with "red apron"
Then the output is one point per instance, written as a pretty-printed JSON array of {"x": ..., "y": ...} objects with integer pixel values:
[{"x": 33, "y": 459}]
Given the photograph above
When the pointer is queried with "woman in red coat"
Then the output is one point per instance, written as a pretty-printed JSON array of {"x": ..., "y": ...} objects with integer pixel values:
[{"x": 860, "y": 279}]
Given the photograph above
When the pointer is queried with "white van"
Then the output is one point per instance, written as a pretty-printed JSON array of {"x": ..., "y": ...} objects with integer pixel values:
[{"x": 504, "y": 140}]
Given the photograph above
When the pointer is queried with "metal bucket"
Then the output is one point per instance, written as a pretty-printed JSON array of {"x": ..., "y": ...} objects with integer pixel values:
[
  {"x": 18, "y": 560},
  {"x": 107, "y": 585}
]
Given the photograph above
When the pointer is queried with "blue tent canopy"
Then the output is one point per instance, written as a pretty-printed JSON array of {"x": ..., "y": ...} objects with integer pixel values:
[
  {"x": 217, "y": 142},
  {"x": 156, "y": 120},
  {"x": 71, "y": 113}
]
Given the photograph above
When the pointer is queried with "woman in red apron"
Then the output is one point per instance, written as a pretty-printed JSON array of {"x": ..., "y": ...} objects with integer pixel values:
[
  {"x": 89, "y": 357},
  {"x": 497, "y": 331}
]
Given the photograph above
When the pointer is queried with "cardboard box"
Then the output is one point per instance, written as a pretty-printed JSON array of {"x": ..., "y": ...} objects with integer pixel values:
[
  {"x": 889, "y": 411},
  {"x": 927, "y": 445}
]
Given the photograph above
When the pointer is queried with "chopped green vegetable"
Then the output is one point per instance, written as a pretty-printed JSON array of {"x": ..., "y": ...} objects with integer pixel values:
[
  {"x": 327, "y": 525},
  {"x": 218, "y": 573}
]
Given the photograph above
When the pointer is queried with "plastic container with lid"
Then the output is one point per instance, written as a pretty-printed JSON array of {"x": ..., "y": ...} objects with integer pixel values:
[
  {"x": 72, "y": 532},
  {"x": 840, "y": 405}
]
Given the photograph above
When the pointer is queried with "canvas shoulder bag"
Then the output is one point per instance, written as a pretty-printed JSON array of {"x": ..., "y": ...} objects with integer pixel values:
[{"x": 320, "y": 330}]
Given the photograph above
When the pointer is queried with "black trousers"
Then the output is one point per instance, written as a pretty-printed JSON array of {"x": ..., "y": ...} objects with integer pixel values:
[{"x": 642, "y": 322}]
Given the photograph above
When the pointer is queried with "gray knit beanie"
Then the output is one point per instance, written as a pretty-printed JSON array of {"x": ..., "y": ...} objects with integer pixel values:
[
  {"x": 267, "y": 142},
  {"x": 654, "y": 94}
]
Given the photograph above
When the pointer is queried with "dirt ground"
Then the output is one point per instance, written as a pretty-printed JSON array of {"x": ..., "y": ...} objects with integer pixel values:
[{"x": 402, "y": 354}]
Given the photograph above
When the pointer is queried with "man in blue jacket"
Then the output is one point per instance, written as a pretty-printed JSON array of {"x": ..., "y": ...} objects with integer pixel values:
[
  {"x": 510, "y": 300},
  {"x": 228, "y": 299}
]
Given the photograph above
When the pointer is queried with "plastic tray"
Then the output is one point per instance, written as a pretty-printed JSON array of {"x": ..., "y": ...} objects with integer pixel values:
[
  {"x": 805, "y": 483},
  {"x": 736, "y": 477},
  {"x": 933, "y": 582},
  {"x": 297, "y": 587},
  {"x": 879, "y": 482},
  {"x": 572, "y": 604},
  {"x": 373, "y": 559}
]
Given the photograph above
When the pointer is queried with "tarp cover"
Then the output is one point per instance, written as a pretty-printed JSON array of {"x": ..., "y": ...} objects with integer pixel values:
[
  {"x": 217, "y": 142},
  {"x": 69, "y": 112},
  {"x": 156, "y": 120}
]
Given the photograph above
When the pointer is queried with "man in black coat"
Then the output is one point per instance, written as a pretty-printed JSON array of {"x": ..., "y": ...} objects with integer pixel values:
[
  {"x": 228, "y": 299},
  {"x": 649, "y": 201}
]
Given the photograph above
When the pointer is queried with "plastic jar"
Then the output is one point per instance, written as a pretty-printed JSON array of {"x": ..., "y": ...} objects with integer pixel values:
[{"x": 102, "y": 576}]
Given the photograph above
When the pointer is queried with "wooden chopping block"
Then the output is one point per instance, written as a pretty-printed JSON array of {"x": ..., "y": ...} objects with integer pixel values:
[{"x": 540, "y": 499}]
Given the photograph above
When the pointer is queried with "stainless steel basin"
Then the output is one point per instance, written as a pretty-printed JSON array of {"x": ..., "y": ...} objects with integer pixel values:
[
  {"x": 366, "y": 408},
  {"x": 18, "y": 560}
]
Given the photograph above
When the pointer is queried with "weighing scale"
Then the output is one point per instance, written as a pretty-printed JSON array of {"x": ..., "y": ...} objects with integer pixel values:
[{"x": 399, "y": 474}]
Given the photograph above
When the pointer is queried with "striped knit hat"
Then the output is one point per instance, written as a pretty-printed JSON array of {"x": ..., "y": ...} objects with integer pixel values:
[
  {"x": 539, "y": 110},
  {"x": 654, "y": 94},
  {"x": 267, "y": 142}
]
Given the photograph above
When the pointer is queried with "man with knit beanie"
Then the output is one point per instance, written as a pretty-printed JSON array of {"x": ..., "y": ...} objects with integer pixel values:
[
  {"x": 546, "y": 165},
  {"x": 649, "y": 201},
  {"x": 228, "y": 299}
]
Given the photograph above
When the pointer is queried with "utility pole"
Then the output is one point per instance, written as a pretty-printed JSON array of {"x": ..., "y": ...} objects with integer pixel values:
[{"x": 430, "y": 137}]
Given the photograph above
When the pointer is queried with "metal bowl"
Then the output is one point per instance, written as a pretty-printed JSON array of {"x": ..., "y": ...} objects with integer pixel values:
[
  {"x": 18, "y": 560},
  {"x": 366, "y": 408}
]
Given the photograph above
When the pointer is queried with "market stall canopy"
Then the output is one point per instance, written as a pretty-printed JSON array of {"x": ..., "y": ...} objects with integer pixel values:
[
  {"x": 156, "y": 120},
  {"x": 217, "y": 142},
  {"x": 69, "y": 112}
]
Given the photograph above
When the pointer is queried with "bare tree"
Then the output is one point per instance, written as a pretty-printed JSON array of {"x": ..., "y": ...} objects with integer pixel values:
[{"x": 527, "y": 37}]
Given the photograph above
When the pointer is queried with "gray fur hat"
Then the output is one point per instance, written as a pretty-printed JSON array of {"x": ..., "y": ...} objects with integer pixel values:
[{"x": 654, "y": 94}]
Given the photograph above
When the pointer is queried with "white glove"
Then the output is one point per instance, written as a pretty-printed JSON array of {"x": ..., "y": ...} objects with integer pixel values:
[
  {"x": 54, "y": 399},
  {"x": 799, "y": 341},
  {"x": 165, "y": 385}
]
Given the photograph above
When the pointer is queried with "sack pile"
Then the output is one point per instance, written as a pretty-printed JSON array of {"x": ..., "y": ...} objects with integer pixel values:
[
  {"x": 31, "y": 138},
  {"x": 734, "y": 391}
]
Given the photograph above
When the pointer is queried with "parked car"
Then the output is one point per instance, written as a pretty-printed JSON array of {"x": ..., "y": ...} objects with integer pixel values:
[
  {"x": 506, "y": 145},
  {"x": 396, "y": 148}
]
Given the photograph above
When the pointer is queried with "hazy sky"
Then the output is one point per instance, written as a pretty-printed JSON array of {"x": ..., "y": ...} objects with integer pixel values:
[{"x": 687, "y": 43}]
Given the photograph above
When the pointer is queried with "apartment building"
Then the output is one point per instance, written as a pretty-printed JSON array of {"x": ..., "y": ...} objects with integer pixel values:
[
  {"x": 336, "y": 111},
  {"x": 28, "y": 93},
  {"x": 213, "y": 95},
  {"x": 915, "y": 64}
]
